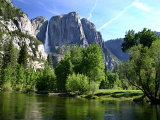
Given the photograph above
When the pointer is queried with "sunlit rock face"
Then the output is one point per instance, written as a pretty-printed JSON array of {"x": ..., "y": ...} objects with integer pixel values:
[
  {"x": 34, "y": 49},
  {"x": 24, "y": 24},
  {"x": 91, "y": 34},
  {"x": 66, "y": 29},
  {"x": 40, "y": 26}
]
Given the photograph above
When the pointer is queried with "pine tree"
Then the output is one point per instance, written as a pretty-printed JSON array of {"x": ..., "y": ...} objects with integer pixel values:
[
  {"x": 8, "y": 66},
  {"x": 20, "y": 78},
  {"x": 49, "y": 59},
  {"x": 63, "y": 69},
  {"x": 9, "y": 55},
  {"x": 23, "y": 55}
]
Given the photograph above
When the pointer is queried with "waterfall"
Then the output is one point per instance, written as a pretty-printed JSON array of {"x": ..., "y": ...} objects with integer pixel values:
[{"x": 46, "y": 45}]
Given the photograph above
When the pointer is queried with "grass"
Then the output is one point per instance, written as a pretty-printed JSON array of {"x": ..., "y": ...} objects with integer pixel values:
[{"x": 112, "y": 94}]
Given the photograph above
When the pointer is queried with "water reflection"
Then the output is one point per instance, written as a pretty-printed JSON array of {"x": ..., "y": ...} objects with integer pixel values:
[{"x": 16, "y": 106}]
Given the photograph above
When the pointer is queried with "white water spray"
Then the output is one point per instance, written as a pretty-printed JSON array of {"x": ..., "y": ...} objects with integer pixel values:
[{"x": 46, "y": 45}]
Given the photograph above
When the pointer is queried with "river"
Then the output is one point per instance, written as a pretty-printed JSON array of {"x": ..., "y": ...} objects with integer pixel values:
[{"x": 18, "y": 106}]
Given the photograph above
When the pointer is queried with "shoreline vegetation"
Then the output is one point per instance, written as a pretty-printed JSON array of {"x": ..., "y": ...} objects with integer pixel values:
[
  {"x": 83, "y": 72},
  {"x": 102, "y": 94}
]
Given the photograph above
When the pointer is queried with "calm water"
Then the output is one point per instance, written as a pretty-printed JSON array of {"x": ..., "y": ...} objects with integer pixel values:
[{"x": 16, "y": 106}]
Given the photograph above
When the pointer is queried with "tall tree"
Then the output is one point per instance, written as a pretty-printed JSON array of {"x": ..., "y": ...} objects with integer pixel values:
[
  {"x": 9, "y": 55},
  {"x": 93, "y": 63},
  {"x": 47, "y": 80},
  {"x": 20, "y": 78},
  {"x": 76, "y": 58},
  {"x": 63, "y": 69},
  {"x": 145, "y": 37},
  {"x": 8, "y": 66},
  {"x": 50, "y": 61},
  {"x": 143, "y": 68},
  {"x": 23, "y": 55}
]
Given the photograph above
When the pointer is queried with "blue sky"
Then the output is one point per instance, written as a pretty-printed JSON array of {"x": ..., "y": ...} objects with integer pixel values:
[{"x": 111, "y": 17}]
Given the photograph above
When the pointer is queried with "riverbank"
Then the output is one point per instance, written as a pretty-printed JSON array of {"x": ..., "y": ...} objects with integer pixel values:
[
  {"x": 105, "y": 94},
  {"x": 115, "y": 94}
]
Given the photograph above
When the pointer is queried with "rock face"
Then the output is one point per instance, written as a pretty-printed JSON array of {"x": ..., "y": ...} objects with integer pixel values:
[
  {"x": 35, "y": 48},
  {"x": 115, "y": 47},
  {"x": 66, "y": 29},
  {"x": 91, "y": 34},
  {"x": 24, "y": 24},
  {"x": 40, "y": 25},
  {"x": 9, "y": 24}
]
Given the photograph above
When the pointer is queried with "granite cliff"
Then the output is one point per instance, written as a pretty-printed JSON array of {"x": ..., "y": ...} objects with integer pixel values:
[
  {"x": 67, "y": 30},
  {"x": 19, "y": 29},
  {"x": 115, "y": 47}
]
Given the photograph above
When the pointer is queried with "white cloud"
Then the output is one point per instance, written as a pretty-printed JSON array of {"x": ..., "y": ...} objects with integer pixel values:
[
  {"x": 22, "y": 1},
  {"x": 93, "y": 8},
  {"x": 115, "y": 18},
  {"x": 53, "y": 12},
  {"x": 141, "y": 6}
]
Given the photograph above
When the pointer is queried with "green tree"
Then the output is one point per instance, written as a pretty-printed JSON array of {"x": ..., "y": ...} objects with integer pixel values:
[
  {"x": 9, "y": 55},
  {"x": 111, "y": 82},
  {"x": 93, "y": 63},
  {"x": 23, "y": 56},
  {"x": 145, "y": 37},
  {"x": 143, "y": 68},
  {"x": 7, "y": 75},
  {"x": 63, "y": 69},
  {"x": 30, "y": 81},
  {"x": 47, "y": 79},
  {"x": 129, "y": 40},
  {"x": 8, "y": 11},
  {"x": 77, "y": 83},
  {"x": 76, "y": 58},
  {"x": 9, "y": 61},
  {"x": 50, "y": 61},
  {"x": 20, "y": 78},
  {"x": 122, "y": 71}
]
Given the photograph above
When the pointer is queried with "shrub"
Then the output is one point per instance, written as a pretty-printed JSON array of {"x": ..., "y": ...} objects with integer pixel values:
[{"x": 77, "y": 82}]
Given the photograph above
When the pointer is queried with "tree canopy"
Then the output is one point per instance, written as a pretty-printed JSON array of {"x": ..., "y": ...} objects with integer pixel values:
[
  {"x": 143, "y": 68},
  {"x": 145, "y": 37}
]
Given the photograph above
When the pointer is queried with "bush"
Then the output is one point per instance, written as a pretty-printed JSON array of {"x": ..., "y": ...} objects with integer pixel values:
[
  {"x": 94, "y": 86},
  {"x": 77, "y": 82}
]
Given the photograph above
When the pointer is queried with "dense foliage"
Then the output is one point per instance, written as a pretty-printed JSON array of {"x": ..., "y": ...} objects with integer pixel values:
[
  {"x": 86, "y": 61},
  {"x": 145, "y": 37},
  {"x": 111, "y": 82},
  {"x": 77, "y": 83},
  {"x": 46, "y": 79},
  {"x": 23, "y": 55},
  {"x": 143, "y": 68},
  {"x": 8, "y": 11}
]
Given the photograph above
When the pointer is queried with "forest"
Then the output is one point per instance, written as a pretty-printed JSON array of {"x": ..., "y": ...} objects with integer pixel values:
[{"x": 83, "y": 69}]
